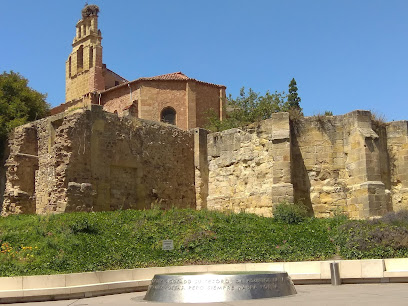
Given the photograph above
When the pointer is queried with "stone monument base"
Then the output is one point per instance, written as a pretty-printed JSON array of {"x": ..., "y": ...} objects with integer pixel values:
[{"x": 218, "y": 286}]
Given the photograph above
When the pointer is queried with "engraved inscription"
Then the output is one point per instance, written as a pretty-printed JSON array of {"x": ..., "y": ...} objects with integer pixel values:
[
  {"x": 196, "y": 287},
  {"x": 217, "y": 284}
]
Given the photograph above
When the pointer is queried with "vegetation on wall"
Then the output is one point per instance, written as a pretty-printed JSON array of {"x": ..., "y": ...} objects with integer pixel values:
[
  {"x": 251, "y": 106},
  {"x": 76, "y": 242},
  {"x": 19, "y": 104},
  {"x": 293, "y": 97}
]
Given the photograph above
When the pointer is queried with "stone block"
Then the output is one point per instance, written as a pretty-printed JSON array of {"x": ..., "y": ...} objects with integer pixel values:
[
  {"x": 372, "y": 268},
  {"x": 187, "y": 269},
  {"x": 270, "y": 267},
  {"x": 11, "y": 283},
  {"x": 147, "y": 273},
  {"x": 350, "y": 269},
  {"x": 280, "y": 134},
  {"x": 114, "y": 276},
  {"x": 46, "y": 292},
  {"x": 226, "y": 267},
  {"x": 396, "y": 264},
  {"x": 43, "y": 281},
  {"x": 5, "y": 294},
  {"x": 325, "y": 272},
  {"x": 79, "y": 279},
  {"x": 305, "y": 267},
  {"x": 88, "y": 288}
]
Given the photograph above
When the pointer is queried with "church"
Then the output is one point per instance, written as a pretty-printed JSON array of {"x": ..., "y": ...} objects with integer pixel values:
[
  {"x": 119, "y": 144},
  {"x": 173, "y": 98}
]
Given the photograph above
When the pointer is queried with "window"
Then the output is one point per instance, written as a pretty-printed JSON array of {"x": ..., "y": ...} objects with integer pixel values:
[
  {"x": 168, "y": 115},
  {"x": 90, "y": 57},
  {"x": 116, "y": 83},
  {"x": 80, "y": 58}
]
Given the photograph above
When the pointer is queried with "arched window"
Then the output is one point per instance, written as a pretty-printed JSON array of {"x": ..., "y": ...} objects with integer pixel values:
[
  {"x": 168, "y": 115},
  {"x": 80, "y": 58},
  {"x": 90, "y": 57}
]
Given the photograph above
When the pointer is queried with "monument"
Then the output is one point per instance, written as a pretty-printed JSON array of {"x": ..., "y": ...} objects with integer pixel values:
[{"x": 219, "y": 286}]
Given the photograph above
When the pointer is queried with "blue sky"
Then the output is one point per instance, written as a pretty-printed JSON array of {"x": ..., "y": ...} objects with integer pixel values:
[{"x": 344, "y": 55}]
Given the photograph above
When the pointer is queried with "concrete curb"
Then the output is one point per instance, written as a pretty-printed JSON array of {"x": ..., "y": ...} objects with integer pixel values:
[{"x": 81, "y": 285}]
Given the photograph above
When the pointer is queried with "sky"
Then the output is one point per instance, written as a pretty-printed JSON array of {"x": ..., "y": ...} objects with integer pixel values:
[{"x": 344, "y": 54}]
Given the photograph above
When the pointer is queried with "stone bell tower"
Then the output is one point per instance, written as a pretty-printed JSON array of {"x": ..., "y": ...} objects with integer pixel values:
[{"x": 83, "y": 73}]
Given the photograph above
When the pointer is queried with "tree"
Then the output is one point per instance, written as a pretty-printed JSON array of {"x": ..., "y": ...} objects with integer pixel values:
[
  {"x": 293, "y": 98},
  {"x": 19, "y": 104},
  {"x": 248, "y": 107}
]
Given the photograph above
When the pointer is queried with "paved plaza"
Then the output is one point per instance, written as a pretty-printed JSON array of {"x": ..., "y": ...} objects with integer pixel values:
[{"x": 355, "y": 294}]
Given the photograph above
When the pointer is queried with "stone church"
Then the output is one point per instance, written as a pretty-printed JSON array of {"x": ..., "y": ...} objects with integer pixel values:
[
  {"x": 173, "y": 98},
  {"x": 116, "y": 144}
]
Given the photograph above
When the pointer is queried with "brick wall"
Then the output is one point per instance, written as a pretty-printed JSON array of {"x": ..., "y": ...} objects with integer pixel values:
[{"x": 207, "y": 97}]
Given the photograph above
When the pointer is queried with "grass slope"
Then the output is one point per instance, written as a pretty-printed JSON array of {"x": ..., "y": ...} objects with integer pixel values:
[{"x": 76, "y": 242}]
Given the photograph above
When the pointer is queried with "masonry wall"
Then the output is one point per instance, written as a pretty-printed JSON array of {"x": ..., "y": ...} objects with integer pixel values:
[
  {"x": 151, "y": 98},
  {"x": 397, "y": 137},
  {"x": 116, "y": 100},
  {"x": 208, "y": 98},
  {"x": 111, "y": 79},
  {"x": 93, "y": 161},
  {"x": 249, "y": 169},
  {"x": 155, "y": 96},
  {"x": 89, "y": 78},
  {"x": 330, "y": 164},
  {"x": 338, "y": 165}
]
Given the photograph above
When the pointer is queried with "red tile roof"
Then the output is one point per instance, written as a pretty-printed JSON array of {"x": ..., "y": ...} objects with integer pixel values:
[
  {"x": 169, "y": 76},
  {"x": 175, "y": 76}
]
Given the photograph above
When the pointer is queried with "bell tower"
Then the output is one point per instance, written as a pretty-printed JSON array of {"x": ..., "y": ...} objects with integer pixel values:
[{"x": 83, "y": 72}]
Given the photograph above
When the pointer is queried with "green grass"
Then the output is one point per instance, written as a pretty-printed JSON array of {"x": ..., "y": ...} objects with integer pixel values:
[{"x": 77, "y": 242}]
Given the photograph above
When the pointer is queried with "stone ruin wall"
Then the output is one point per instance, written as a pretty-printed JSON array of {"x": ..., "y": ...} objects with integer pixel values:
[
  {"x": 397, "y": 143},
  {"x": 90, "y": 160},
  {"x": 249, "y": 169},
  {"x": 93, "y": 161},
  {"x": 338, "y": 162},
  {"x": 331, "y": 164}
]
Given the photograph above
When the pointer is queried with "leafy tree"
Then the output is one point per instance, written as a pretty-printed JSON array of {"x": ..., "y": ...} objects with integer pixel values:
[
  {"x": 19, "y": 104},
  {"x": 293, "y": 97},
  {"x": 248, "y": 107}
]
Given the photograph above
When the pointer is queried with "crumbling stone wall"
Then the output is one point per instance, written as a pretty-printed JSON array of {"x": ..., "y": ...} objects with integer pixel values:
[
  {"x": 397, "y": 137},
  {"x": 249, "y": 169},
  {"x": 340, "y": 165},
  {"x": 330, "y": 164},
  {"x": 22, "y": 164},
  {"x": 90, "y": 160}
]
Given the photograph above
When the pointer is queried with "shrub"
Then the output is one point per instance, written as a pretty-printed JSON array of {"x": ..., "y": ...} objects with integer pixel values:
[
  {"x": 399, "y": 217},
  {"x": 367, "y": 239},
  {"x": 378, "y": 118},
  {"x": 289, "y": 213},
  {"x": 247, "y": 108}
]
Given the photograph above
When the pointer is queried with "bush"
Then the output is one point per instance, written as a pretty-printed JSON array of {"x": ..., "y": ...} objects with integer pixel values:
[
  {"x": 368, "y": 239},
  {"x": 399, "y": 217},
  {"x": 247, "y": 108},
  {"x": 289, "y": 213}
]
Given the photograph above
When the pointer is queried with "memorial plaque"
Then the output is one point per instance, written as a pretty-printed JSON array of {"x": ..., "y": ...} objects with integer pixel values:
[
  {"x": 218, "y": 286},
  {"x": 167, "y": 245}
]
